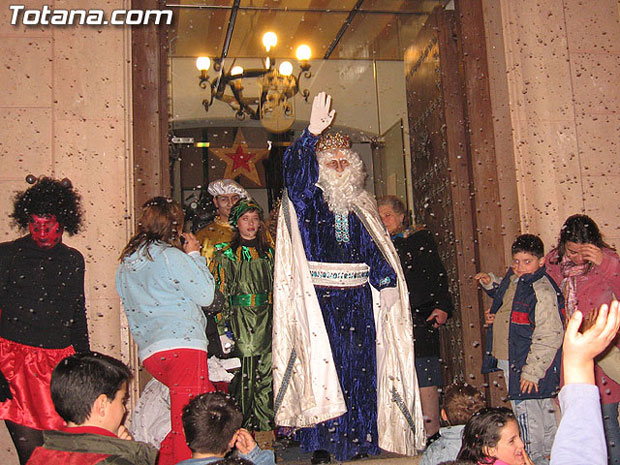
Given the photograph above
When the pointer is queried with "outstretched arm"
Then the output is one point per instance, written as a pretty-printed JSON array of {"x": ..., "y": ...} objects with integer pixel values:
[
  {"x": 580, "y": 438},
  {"x": 301, "y": 170}
]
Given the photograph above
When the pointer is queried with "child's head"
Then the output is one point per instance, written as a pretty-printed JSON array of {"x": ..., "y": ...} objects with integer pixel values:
[
  {"x": 246, "y": 219},
  {"x": 460, "y": 402},
  {"x": 577, "y": 231},
  {"x": 492, "y": 433},
  {"x": 527, "y": 254},
  {"x": 210, "y": 422},
  {"x": 90, "y": 387}
]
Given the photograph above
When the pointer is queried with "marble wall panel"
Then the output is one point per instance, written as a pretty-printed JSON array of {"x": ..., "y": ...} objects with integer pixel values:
[
  {"x": 562, "y": 67},
  {"x": 593, "y": 28},
  {"x": 97, "y": 90},
  {"x": 602, "y": 205},
  {"x": 93, "y": 151},
  {"x": 26, "y": 71},
  {"x": 19, "y": 29},
  {"x": 595, "y": 82},
  {"x": 25, "y": 142},
  {"x": 599, "y": 144}
]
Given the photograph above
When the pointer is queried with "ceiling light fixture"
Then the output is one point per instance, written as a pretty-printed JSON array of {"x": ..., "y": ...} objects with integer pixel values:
[{"x": 273, "y": 106}]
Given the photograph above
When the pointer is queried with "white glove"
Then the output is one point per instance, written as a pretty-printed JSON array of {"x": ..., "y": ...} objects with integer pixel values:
[
  {"x": 388, "y": 297},
  {"x": 321, "y": 117}
]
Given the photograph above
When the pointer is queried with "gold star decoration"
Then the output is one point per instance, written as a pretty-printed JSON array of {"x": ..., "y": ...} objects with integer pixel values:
[{"x": 240, "y": 159}]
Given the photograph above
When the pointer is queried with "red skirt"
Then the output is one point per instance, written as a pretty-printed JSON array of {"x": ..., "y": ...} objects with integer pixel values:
[{"x": 29, "y": 372}]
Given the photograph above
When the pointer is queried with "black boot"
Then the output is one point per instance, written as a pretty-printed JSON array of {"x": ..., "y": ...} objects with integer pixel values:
[{"x": 320, "y": 456}]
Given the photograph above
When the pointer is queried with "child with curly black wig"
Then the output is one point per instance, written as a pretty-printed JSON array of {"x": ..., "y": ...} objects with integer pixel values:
[{"x": 43, "y": 317}]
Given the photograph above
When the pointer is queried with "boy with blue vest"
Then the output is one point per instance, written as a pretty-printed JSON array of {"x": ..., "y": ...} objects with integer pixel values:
[{"x": 524, "y": 341}]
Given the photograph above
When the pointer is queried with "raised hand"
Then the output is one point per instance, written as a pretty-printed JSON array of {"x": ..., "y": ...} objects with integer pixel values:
[
  {"x": 244, "y": 442},
  {"x": 191, "y": 243},
  {"x": 592, "y": 253},
  {"x": 123, "y": 433},
  {"x": 321, "y": 117},
  {"x": 580, "y": 349}
]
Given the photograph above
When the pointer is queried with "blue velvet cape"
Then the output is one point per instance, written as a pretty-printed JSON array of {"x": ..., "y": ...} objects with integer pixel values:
[{"x": 347, "y": 313}]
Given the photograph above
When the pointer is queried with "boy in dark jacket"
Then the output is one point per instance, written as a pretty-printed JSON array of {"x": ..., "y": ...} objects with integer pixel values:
[
  {"x": 525, "y": 340},
  {"x": 89, "y": 390},
  {"x": 212, "y": 424}
]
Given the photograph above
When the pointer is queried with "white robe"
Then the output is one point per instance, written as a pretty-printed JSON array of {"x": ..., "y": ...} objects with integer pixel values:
[{"x": 305, "y": 379}]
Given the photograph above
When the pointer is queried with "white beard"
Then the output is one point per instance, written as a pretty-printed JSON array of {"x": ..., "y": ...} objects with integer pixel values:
[{"x": 341, "y": 191}]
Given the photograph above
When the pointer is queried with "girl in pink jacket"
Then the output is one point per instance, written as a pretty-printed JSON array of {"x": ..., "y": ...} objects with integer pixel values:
[{"x": 588, "y": 272}]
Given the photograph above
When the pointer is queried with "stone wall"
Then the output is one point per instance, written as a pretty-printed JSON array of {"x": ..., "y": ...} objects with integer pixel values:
[
  {"x": 65, "y": 111},
  {"x": 556, "y": 107}
]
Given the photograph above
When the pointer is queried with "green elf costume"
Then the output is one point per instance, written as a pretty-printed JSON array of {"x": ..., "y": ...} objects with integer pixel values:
[{"x": 243, "y": 270}]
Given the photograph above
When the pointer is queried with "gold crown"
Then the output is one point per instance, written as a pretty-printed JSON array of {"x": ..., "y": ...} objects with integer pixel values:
[{"x": 333, "y": 140}]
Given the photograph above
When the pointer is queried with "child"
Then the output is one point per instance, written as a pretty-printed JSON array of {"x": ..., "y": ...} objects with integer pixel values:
[
  {"x": 492, "y": 436},
  {"x": 460, "y": 402},
  {"x": 243, "y": 270},
  {"x": 88, "y": 391},
  {"x": 212, "y": 424},
  {"x": 524, "y": 341}
]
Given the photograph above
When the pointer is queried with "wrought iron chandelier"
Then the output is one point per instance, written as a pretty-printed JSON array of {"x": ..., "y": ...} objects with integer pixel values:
[{"x": 277, "y": 85}]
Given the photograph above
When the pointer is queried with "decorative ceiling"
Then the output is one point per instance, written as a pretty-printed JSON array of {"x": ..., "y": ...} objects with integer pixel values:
[{"x": 334, "y": 29}]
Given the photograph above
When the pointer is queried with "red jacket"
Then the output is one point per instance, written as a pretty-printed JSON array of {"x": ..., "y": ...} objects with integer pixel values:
[{"x": 90, "y": 446}]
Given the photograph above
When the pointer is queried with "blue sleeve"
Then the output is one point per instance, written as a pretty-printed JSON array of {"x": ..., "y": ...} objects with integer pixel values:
[
  {"x": 259, "y": 456},
  {"x": 580, "y": 439},
  {"x": 301, "y": 169},
  {"x": 381, "y": 273},
  {"x": 191, "y": 275}
]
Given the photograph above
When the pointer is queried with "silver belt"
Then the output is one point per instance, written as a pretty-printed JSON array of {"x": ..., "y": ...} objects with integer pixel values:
[{"x": 339, "y": 274}]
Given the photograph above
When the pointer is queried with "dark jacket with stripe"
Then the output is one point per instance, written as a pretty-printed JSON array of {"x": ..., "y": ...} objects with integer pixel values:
[{"x": 531, "y": 301}]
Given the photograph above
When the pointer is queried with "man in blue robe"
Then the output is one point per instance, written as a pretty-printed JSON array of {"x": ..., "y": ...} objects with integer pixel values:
[{"x": 324, "y": 180}]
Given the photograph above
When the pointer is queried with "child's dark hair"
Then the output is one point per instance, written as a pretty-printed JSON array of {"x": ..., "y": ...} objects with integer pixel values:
[
  {"x": 210, "y": 421},
  {"x": 483, "y": 430},
  {"x": 79, "y": 379},
  {"x": 529, "y": 243},
  {"x": 46, "y": 198},
  {"x": 580, "y": 229},
  {"x": 461, "y": 401}
]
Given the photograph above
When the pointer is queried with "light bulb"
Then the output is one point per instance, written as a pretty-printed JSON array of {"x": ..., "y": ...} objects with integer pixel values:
[
  {"x": 286, "y": 68},
  {"x": 303, "y": 52},
  {"x": 270, "y": 39},
  {"x": 236, "y": 70},
  {"x": 203, "y": 63}
]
